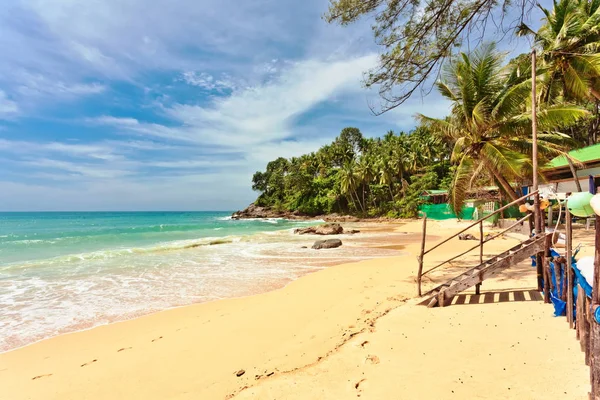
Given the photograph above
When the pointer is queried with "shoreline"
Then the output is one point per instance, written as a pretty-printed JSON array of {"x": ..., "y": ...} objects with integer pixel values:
[
  {"x": 316, "y": 327},
  {"x": 272, "y": 286}
]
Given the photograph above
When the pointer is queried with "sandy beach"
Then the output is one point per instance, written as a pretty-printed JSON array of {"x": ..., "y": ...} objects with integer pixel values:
[{"x": 347, "y": 331}]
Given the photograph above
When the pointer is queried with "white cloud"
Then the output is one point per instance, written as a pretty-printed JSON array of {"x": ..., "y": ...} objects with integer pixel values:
[
  {"x": 38, "y": 84},
  {"x": 260, "y": 114},
  {"x": 207, "y": 81},
  {"x": 8, "y": 108}
]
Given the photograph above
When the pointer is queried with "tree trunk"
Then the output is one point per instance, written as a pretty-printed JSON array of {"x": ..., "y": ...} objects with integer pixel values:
[
  {"x": 574, "y": 173},
  {"x": 363, "y": 195},
  {"x": 391, "y": 192},
  {"x": 358, "y": 200},
  {"x": 595, "y": 94},
  {"x": 505, "y": 185}
]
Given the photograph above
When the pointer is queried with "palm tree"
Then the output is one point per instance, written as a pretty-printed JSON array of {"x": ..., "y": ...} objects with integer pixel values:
[
  {"x": 569, "y": 40},
  {"x": 365, "y": 174},
  {"x": 489, "y": 124},
  {"x": 385, "y": 175},
  {"x": 349, "y": 181}
]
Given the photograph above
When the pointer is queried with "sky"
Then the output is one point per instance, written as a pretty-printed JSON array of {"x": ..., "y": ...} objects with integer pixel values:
[{"x": 174, "y": 104}]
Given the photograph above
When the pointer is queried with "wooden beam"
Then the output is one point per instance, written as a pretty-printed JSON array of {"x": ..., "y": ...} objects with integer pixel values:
[
  {"x": 422, "y": 254},
  {"x": 569, "y": 271},
  {"x": 478, "y": 286}
]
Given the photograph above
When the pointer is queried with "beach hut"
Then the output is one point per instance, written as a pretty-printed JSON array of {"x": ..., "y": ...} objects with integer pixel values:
[{"x": 562, "y": 176}]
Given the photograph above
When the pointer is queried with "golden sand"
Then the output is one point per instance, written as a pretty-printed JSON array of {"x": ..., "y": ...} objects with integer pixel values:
[{"x": 344, "y": 332}]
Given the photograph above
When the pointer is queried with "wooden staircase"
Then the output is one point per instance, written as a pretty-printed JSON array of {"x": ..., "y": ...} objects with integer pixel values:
[{"x": 443, "y": 294}]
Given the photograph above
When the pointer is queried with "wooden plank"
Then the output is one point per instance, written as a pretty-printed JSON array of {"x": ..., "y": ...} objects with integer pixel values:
[{"x": 519, "y": 295}]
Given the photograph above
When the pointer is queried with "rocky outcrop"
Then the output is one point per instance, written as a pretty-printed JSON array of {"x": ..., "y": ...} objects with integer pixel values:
[
  {"x": 254, "y": 211},
  {"x": 327, "y": 229},
  {"x": 327, "y": 244},
  {"x": 340, "y": 218}
]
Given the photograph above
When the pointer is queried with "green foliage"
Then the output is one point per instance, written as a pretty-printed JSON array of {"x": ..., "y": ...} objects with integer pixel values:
[
  {"x": 353, "y": 174},
  {"x": 417, "y": 37},
  {"x": 490, "y": 123},
  {"x": 485, "y": 139}
]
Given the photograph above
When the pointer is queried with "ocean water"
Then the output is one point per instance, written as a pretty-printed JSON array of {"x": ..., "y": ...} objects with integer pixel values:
[{"x": 67, "y": 271}]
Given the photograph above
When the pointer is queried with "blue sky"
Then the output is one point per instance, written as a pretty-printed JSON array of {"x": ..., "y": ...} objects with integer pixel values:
[{"x": 172, "y": 105}]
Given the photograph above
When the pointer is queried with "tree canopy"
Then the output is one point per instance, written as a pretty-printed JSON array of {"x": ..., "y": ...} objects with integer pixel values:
[{"x": 418, "y": 36}]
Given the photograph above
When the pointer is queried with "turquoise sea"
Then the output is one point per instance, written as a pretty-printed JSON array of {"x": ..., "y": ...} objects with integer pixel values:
[{"x": 67, "y": 271}]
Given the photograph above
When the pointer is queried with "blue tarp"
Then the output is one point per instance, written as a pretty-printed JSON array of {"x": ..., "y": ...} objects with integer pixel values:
[{"x": 560, "y": 306}]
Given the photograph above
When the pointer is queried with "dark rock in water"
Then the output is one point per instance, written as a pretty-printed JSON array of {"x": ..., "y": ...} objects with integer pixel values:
[
  {"x": 327, "y": 229},
  {"x": 466, "y": 236},
  {"x": 327, "y": 244}
]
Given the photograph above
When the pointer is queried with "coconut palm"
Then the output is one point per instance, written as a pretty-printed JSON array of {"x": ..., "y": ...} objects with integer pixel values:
[
  {"x": 489, "y": 124},
  {"x": 569, "y": 40},
  {"x": 349, "y": 182}
]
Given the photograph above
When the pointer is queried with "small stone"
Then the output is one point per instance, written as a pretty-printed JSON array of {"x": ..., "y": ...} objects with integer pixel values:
[{"x": 240, "y": 373}]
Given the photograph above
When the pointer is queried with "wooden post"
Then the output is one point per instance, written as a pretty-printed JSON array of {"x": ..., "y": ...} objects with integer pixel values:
[
  {"x": 534, "y": 158},
  {"x": 534, "y": 152},
  {"x": 478, "y": 286},
  {"x": 422, "y": 254},
  {"x": 569, "y": 271},
  {"x": 587, "y": 320},
  {"x": 547, "y": 278},
  {"x": 579, "y": 312},
  {"x": 595, "y": 327}
]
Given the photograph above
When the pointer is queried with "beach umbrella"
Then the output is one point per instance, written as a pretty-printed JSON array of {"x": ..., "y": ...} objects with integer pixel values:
[{"x": 579, "y": 204}]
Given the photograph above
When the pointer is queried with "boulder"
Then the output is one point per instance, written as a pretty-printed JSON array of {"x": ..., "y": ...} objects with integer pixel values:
[
  {"x": 327, "y": 229},
  {"x": 327, "y": 244}
]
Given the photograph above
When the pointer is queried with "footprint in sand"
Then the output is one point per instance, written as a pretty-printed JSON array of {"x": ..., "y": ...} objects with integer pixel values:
[
  {"x": 123, "y": 349},
  {"x": 88, "y": 363},
  {"x": 372, "y": 359},
  {"x": 40, "y": 376},
  {"x": 357, "y": 386},
  {"x": 154, "y": 340}
]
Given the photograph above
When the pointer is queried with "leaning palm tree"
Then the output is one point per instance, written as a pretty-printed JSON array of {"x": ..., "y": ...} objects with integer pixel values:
[
  {"x": 490, "y": 126},
  {"x": 569, "y": 40}
]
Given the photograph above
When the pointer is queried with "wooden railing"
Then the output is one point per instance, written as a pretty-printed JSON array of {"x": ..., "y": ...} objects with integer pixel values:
[{"x": 480, "y": 244}]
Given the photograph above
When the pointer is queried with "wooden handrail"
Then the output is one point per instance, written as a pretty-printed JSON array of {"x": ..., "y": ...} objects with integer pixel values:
[
  {"x": 520, "y": 199},
  {"x": 478, "y": 245},
  {"x": 481, "y": 241}
]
